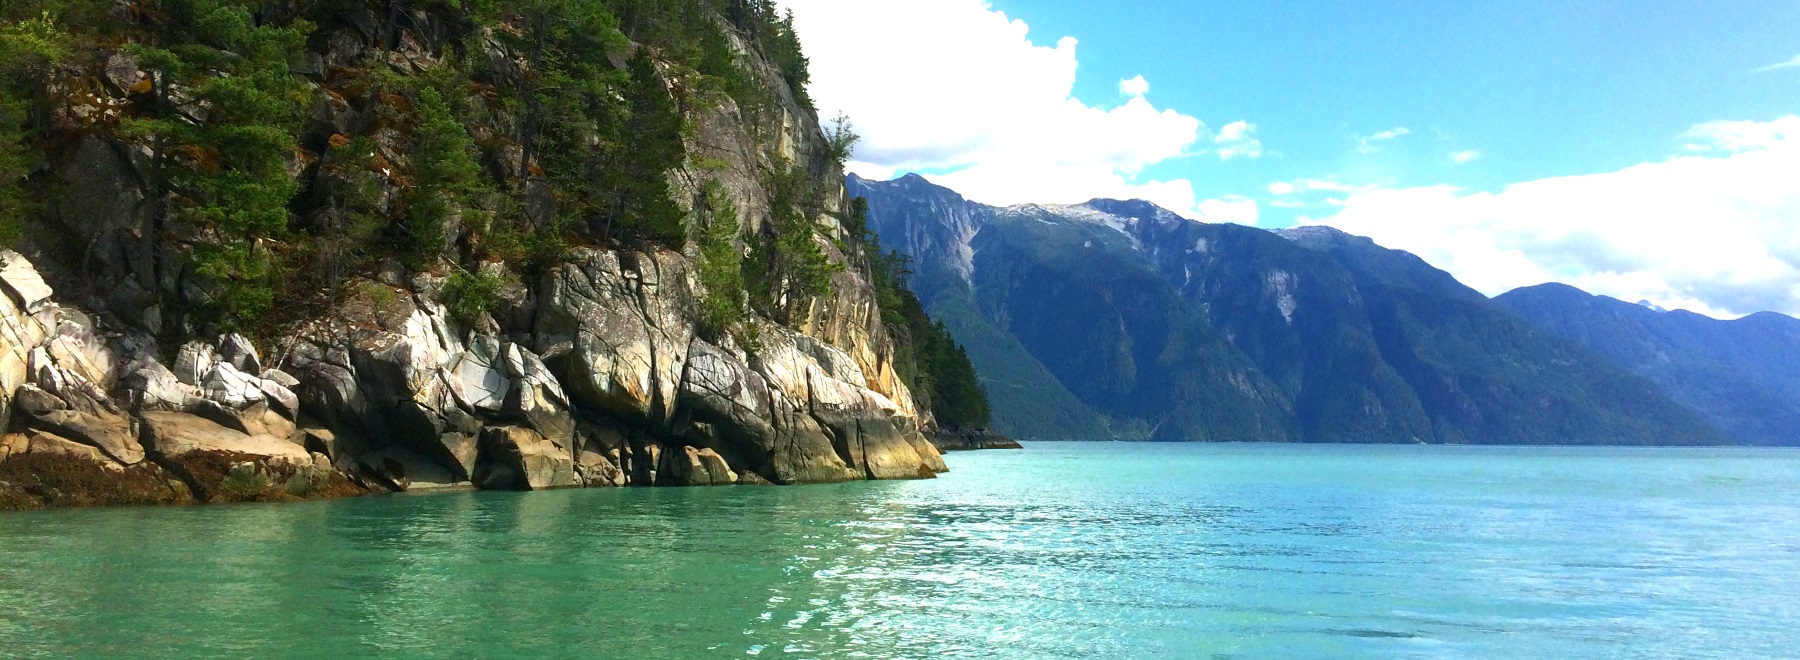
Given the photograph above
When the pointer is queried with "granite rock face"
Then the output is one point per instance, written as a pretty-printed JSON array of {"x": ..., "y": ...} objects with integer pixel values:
[{"x": 611, "y": 386}]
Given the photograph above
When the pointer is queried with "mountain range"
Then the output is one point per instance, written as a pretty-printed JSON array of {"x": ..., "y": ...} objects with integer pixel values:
[
  {"x": 1122, "y": 320},
  {"x": 1740, "y": 375}
]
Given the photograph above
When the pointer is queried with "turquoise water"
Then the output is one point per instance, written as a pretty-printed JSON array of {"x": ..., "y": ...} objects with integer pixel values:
[{"x": 1057, "y": 551}]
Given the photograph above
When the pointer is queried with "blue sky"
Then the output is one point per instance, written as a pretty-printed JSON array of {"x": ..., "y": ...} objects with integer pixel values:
[
  {"x": 1539, "y": 88},
  {"x": 1644, "y": 150}
]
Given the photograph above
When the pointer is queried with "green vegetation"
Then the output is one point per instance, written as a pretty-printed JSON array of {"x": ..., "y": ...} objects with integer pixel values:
[
  {"x": 841, "y": 139},
  {"x": 447, "y": 181},
  {"x": 469, "y": 295},
  {"x": 28, "y": 48},
  {"x": 725, "y": 308},
  {"x": 789, "y": 268},
  {"x": 221, "y": 124},
  {"x": 462, "y": 131}
]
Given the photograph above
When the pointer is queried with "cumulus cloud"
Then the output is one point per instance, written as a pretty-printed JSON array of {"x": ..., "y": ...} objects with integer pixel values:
[
  {"x": 1237, "y": 139},
  {"x": 1465, "y": 157},
  {"x": 1713, "y": 231},
  {"x": 1790, "y": 64},
  {"x": 1134, "y": 86},
  {"x": 956, "y": 88}
]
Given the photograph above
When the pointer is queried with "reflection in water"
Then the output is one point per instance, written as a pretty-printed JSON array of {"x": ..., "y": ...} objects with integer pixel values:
[{"x": 1065, "y": 551}]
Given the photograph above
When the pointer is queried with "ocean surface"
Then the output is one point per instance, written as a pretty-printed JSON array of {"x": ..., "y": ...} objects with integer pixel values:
[{"x": 1084, "y": 550}]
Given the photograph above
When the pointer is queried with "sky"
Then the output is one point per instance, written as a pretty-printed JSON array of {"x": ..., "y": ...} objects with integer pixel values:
[{"x": 1642, "y": 150}]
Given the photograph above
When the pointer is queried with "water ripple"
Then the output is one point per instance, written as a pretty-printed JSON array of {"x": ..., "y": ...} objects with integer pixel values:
[{"x": 1059, "y": 551}]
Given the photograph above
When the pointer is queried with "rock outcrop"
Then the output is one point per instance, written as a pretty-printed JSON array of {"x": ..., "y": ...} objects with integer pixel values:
[
  {"x": 610, "y": 387},
  {"x": 366, "y": 371}
]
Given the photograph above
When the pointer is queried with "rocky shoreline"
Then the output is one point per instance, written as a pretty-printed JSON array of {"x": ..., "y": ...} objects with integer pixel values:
[
  {"x": 609, "y": 387},
  {"x": 964, "y": 439}
]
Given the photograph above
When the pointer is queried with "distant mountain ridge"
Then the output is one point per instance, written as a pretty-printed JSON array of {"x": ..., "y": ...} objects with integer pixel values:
[
  {"x": 1121, "y": 319},
  {"x": 1743, "y": 376}
]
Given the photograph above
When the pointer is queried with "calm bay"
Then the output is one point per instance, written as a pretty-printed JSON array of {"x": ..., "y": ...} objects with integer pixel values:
[{"x": 1062, "y": 550}]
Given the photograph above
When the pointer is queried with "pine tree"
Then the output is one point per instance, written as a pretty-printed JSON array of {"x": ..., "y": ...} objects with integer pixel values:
[
  {"x": 448, "y": 182},
  {"x": 29, "y": 49},
  {"x": 223, "y": 132},
  {"x": 638, "y": 180}
]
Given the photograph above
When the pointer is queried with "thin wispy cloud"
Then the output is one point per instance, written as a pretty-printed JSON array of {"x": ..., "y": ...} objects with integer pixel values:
[
  {"x": 1369, "y": 144},
  {"x": 1790, "y": 64},
  {"x": 1465, "y": 157}
]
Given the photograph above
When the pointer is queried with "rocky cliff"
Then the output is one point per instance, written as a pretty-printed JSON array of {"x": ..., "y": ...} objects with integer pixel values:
[{"x": 592, "y": 359}]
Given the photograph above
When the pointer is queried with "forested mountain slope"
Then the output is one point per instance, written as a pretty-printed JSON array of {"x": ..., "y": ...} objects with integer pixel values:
[
  {"x": 1741, "y": 375},
  {"x": 1164, "y": 328}
]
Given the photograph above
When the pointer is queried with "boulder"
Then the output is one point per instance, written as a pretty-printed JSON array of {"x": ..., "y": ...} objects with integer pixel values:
[
  {"x": 464, "y": 450},
  {"x": 76, "y": 350},
  {"x": 866, "y": 429},
  {"x": 930, "y": 457},
  {"x": 20, "y": 336},
  {"x": 283, "y": 398},
  {"x": 257, "y": 419},
  {"x": 693, "y": 466},
  {"x": 42, "y": 442},
  {"x": 154, "y": 387},
  {"x": 22, "y": 283},
  {"x": 720, "y": 388},
  {"x": 280, "y": 377},
  {"x": 13, "y": 444},
  {"x": 519, "y": 458},
  {"x": 595, "y": 470},
  {"x": 89, "y": 424},
  {"x": 537, "y": 397},
  {"x": 33, "y": 400},
  {"x": 323, "y": 442},
  {"x": 237, "y": 351},
  {"x": 228, "y": 386},
  {"x": 193, "y": 362},
  {"x": 174, "y": 435},
  {"x": 477, "y": 378}
]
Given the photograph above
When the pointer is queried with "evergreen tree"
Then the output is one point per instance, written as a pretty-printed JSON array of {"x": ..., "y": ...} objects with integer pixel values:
[
  {"x": 29, "y": 49},
  {"x": 223, "y": 132},
  {"x": 793, "y": 268},
  {"x": 720, "y": 267},
  {"x": 448, "y": 181},
  {"x": 638, "y": 180}
]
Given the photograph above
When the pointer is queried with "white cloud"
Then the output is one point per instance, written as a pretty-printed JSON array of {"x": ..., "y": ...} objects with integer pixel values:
[
  {"x": 1282, "y": 188},
  {"x": 1369, "y": 144},
  {"x": 1237, "y": 139},
  {"x": 954, "y": 86},
  {"x": 1465, "y": 157},
  {"x": 1732, "y": 136},
  {"x": 1230, "y": 208},
  {"x": 1790, "y": 64},
  {"x": 1717, "y": 233},
  {"x": 1134, "y": 87}
]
